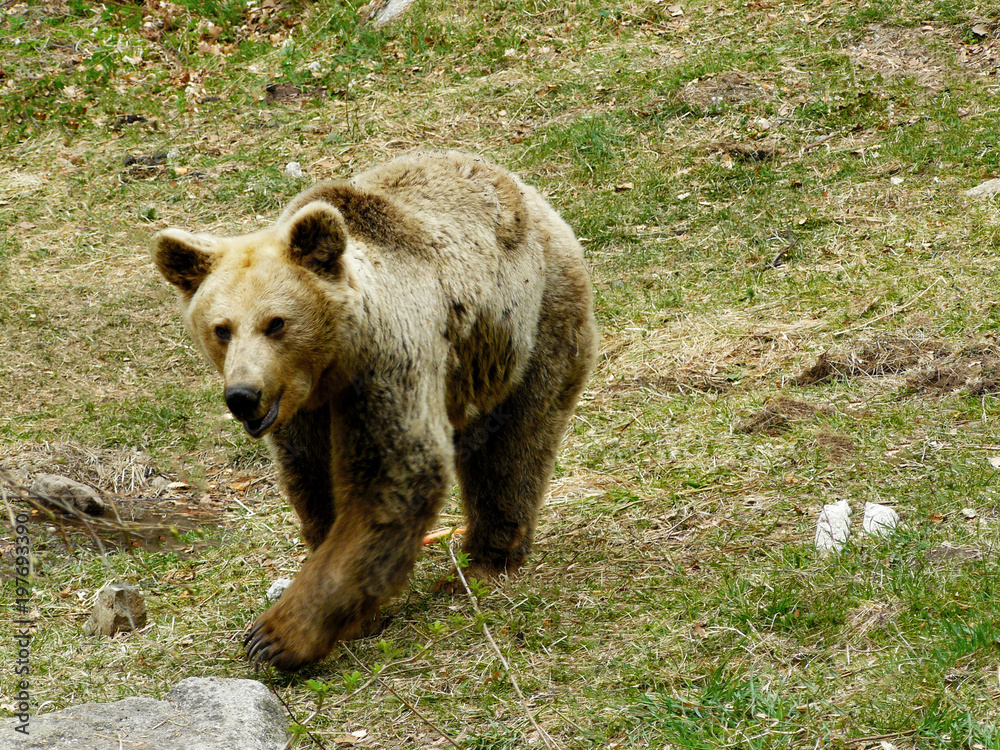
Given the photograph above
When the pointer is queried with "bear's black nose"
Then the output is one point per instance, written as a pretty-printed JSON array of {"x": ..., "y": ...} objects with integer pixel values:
[{"x": 243, "y": 401}]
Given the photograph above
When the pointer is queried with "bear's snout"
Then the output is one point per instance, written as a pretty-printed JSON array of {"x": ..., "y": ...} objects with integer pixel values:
[{"x": 243, "y": 401}]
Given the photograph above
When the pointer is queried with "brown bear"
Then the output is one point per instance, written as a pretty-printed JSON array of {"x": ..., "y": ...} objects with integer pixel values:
[{"x": 432, "y": 315}]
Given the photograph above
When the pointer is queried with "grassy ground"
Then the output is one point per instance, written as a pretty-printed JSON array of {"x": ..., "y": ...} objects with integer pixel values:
[{"x": 798, "y": 304}]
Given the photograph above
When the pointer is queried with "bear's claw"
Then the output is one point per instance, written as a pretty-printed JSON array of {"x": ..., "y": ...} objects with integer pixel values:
[{"x": 262, "y": 651}]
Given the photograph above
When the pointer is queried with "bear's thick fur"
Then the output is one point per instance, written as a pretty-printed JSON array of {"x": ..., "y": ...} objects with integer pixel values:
[{"x": 433, "y": 315}]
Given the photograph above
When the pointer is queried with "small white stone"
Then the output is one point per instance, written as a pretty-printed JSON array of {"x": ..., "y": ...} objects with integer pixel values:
[
  {"x": 277, "y": 589},
  {"x": 833, "y": 527},
  {"x": 879, "y": 520},
  {"x": 294, "y": 170}
]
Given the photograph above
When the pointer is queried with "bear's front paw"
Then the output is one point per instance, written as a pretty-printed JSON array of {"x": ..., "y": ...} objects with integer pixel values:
[
  {"x": 290, "y": 637},
  {"x": 284, "y": 643}
]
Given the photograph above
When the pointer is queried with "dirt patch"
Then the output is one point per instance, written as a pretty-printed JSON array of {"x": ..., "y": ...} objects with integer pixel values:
[
  {"x": 730, "y": 87},
  {"x": 110, "y": 471},
  {"x": 838, "y": 447},
  {"x": 901, "y": 53},
  {"x": 875, "y": 357},
  {"x": 982, "y": 58},
  {"x": 677, "y": 381},
  {"x": 778, "y": 415},
  {"x": 974, "y": 370},
  {"x": 948, "y": 552},
  {"x": 929, "y": 54},
  {"x": 712, "y": 354},
  {"x": 927, "y": 365}
]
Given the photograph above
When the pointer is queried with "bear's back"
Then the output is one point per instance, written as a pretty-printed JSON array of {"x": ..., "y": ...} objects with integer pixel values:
[{"x": 451, "y": 190}]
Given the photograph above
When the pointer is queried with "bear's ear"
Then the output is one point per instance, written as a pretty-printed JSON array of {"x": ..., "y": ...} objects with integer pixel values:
[
  {"x": 183, "y": 258},
  {"x": 317, "y": 237}
]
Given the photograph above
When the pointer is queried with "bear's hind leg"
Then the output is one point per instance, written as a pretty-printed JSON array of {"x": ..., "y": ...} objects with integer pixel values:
[
  {"x": 302, "y": 452},
  {"x": 505, "y": 459}
]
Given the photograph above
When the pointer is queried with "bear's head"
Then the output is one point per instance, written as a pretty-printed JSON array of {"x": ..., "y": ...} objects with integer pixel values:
[{"x": 266, "y": 308}]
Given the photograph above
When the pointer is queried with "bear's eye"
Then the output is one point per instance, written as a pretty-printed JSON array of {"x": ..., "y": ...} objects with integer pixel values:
[
  {"x": 223, "y": 334},
  {"x": 276, "y": 326}
]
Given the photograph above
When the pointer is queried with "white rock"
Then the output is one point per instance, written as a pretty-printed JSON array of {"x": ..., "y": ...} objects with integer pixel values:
[
  {"x": 833, "y": 527},
  {"x": 294, "y": 170},
  {"x": 985, "y": 189},
  {"x": 879, "y": 520},
  {"x": 392, "y": 10},
  {"x": 277, "y": 589}
]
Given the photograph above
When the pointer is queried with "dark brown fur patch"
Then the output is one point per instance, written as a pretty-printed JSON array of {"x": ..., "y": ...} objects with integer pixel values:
[
  {"x": 511, "y": 224},
  {"x": 182, "y": 265},
  {"x": 317, "y": 241},
  {"x": 485, "y": 364},
  {"x": 372, "y": 217}
]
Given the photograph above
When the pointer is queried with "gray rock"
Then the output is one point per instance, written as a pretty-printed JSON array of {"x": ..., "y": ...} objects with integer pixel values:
[
  {"x": 199, "y": 713},
  {"x": 119, "y": 608},
  {"x": 985, "y": 189},
  {"x": 65, "y": 494},
  {"x": 278, "y": 588}
]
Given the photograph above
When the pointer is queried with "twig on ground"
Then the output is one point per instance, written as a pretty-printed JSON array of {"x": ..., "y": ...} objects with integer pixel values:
[
  {"x": 546, "y": 737},
  {"x": 880, "y": 737},
  {"x": 448, "y": 738}
]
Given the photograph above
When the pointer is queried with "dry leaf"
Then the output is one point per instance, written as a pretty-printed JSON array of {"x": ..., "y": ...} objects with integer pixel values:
[
  {"x": 624, "y": 187},
  {"x": 675, "y": 10},
  {"x": 208, "y": 48}
]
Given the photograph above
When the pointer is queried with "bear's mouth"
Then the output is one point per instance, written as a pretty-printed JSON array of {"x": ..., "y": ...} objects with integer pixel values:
[{"x": 257, "y": 427}]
